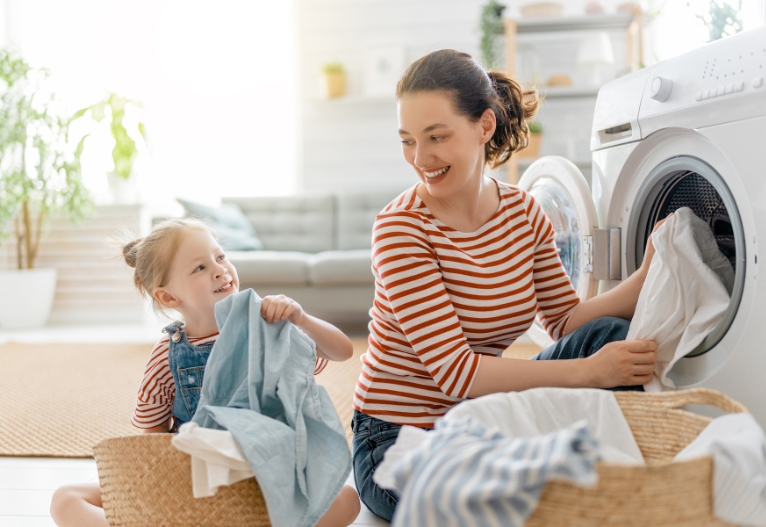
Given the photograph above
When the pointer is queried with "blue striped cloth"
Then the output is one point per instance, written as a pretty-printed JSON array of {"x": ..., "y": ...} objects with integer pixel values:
[{"x": 462, "y": 474}]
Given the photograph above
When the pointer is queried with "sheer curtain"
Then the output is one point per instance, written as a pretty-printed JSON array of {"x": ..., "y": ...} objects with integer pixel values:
[{"x": 216, "y": 79}]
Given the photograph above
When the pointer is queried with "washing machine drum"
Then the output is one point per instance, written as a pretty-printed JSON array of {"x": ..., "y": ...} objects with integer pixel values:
[
  {"x": 690, "y": 182},
  {"x": 689, "y": 189}
]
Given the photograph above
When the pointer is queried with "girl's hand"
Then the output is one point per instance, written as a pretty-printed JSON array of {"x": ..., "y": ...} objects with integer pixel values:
[
  {"x": 279, "y": 307},
  {"x": 622, "y": 363},
  {"x": 649, "y": 252}
]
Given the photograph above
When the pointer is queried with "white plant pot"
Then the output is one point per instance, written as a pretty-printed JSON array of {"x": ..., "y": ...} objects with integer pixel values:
[
  {"x": 121, "y": 190},
  {"x": 26, "y": 297}
]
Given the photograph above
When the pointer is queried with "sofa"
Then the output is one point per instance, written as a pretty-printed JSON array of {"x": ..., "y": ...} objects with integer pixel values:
[{"x": 316, "y": 249}]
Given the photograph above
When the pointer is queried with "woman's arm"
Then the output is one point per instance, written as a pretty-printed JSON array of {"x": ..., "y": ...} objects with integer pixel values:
[
  {"x": 331, "y": 343},
  {"x": 620, "y": 301},
  {"x": 621, "y": 363}
]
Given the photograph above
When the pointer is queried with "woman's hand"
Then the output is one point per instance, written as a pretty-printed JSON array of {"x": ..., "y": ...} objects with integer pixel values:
[
  {"x": 279, "y": 307},
  {"x": 649, "y": 252},
  {"x": 622, "y": 363}
]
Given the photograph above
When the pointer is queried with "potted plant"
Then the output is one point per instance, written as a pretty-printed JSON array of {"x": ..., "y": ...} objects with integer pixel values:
[
  {"x": 122, "y": 182},
  {"x": 40, "y": 176},
  {"x": 491, "y": 28},
  {"x": 532, "y": 150},
  {"x": 335, "y": 79}
]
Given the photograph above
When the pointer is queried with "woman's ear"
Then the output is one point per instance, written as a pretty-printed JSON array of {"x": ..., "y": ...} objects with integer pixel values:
[
  {"x": 487, "y": 124},
  {"x": 166, "y": 298}
]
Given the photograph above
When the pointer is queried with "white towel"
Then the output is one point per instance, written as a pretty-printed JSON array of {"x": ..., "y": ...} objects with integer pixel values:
[
  {"x": 216, "y": 458},
  {"x": 685, "y": 294},
  {"x": 738, "y": 447}
]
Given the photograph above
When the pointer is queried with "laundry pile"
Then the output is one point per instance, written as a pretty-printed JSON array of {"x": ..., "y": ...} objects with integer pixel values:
[
  {"x": 488, "y": 459},
  {"x": 685, "y": 295},
  {"x": 261, "y": 413}
]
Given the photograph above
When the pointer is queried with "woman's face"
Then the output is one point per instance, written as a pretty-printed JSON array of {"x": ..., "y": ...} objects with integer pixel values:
[{"x": 445, "y": 148}]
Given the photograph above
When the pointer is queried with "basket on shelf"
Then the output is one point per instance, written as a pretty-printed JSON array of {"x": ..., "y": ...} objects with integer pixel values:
[
  {"x": 146, "y": 482},
  {"x": 661, "y": 494}
]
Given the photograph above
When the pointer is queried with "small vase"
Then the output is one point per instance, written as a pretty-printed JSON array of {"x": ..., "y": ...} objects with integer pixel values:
[
  {"x": 122, "y": 191},
  {"x": 27, "y": 297},
  {"x": 335, "y": 84}
]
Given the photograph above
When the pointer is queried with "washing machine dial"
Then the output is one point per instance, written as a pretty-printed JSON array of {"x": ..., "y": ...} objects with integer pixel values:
[{"x": 660, "y": 89}]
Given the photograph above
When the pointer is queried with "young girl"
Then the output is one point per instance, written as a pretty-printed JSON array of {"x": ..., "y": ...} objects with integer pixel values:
[{"x": 180, "y": 266}]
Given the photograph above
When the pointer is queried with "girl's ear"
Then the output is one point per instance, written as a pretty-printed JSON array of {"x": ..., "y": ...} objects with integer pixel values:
[
  {"x": 166, "y": 298},
  {"x": 487, "y": 123}
]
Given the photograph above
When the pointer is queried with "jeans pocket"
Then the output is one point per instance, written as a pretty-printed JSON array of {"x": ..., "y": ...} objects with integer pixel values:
[{"x": 380, "y": 442}]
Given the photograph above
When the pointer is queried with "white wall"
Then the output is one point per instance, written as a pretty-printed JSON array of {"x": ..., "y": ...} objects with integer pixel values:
[{"x": 353, "y": 143}]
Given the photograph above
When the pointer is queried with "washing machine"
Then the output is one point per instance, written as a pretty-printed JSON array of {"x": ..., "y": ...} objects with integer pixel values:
[{"x": 687, "y": 132}]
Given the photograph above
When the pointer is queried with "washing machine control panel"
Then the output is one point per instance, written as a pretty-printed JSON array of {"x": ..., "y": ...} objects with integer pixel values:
[{"x": 720, "y": 82}]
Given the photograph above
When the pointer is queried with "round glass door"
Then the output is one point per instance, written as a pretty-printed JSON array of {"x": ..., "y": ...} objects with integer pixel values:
[{"x": 563, "y": 194}]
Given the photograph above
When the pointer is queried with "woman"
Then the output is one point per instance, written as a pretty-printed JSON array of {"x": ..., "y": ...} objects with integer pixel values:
[{"x": 462, "y": 265}]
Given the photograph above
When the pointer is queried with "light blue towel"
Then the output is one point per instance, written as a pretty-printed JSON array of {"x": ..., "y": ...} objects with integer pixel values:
[
  {"x": 462, "y": 474},
  {"x": 259, "y": 384}
]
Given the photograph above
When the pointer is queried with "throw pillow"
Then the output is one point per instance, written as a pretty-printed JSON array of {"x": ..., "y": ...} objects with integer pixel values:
[{"x": 234, "y": 230}]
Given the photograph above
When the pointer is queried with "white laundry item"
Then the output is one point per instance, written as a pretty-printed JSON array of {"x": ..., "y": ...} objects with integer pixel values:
[
  {"x": 532, "y": 413},
  {"x": 685, "y": 294},
  {"x": 544, "y": 410},
  {"x": 738, "y": 447},
  {"x": 216, "y": 458}
]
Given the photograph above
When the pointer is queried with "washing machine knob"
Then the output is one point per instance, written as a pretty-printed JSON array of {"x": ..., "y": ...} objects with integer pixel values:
[{"x": 660, "y": 89}]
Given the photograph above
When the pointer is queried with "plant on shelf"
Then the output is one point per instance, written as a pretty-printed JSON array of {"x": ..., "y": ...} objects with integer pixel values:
[
  {"x": 335, "y": 79},
  {"x": 724, "y": 18},
  {"x": 40, "y": 175},
  {"x": 491, "y": 28},
  {"x": 532, "y": 149},
  {"x": 125, "y": 150}
]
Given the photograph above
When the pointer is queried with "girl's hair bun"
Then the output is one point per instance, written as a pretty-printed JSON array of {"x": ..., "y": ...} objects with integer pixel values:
[{"x": 129, "y": 251}]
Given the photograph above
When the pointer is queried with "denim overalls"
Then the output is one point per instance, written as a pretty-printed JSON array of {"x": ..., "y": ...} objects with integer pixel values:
[{"x": 187, "y": 364}]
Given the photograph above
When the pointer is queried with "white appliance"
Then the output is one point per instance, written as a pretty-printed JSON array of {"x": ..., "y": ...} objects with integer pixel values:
[{"x": 690, "y": 131}]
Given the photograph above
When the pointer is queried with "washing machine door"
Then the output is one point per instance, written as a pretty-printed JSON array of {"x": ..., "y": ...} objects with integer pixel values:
[{"x": 562, "y": 192}]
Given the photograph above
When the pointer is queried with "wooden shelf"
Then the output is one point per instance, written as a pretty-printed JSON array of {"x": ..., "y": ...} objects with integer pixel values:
[
  {"x": 574, "y": 23},
  {"x": 555, "y": 92}
]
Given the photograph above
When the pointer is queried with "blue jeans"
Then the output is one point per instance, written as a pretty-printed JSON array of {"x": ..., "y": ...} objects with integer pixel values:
[{"x": 372, "y": 437}]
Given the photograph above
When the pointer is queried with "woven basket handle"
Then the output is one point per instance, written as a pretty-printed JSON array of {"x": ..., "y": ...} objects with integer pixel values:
[{"x": 702, "y": 396}]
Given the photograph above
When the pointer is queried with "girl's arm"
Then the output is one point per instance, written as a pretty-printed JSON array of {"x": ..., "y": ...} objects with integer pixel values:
[
  {"x": 164, "y": 428},
  {"x": 332, "y": 343}
]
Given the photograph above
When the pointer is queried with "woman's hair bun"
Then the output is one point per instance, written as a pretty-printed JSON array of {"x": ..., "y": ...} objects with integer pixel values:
[{"x": 130, "y": 251}]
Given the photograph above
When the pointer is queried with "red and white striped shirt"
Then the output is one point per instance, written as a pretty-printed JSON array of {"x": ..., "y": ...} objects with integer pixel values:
[
  {"x": 157, "y": 391},
  {"x": 443, "y": 298}
]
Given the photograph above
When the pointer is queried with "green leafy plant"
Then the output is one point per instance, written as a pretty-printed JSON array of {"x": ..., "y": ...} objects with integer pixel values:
[
  {"x": 40, "y": 171},
  {"x": 534, "y": 127},
  {"x": 491, "y": 28},
  {"x": 722, "y": 19},
  {"x": 333, "y": 67},
  {"x": 125, "y": 149}
]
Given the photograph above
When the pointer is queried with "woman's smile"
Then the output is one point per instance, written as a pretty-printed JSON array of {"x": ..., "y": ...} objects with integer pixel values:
[{"x": 434, "y": 176}]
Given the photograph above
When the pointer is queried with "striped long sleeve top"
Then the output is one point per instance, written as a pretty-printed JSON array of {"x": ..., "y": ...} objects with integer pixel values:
[{"x": 443, "y": 298}]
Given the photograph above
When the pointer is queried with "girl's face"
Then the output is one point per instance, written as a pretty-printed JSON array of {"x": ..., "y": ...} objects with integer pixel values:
[
  {"x": 200, "y": 275},
  {"x": 445, "y": 148}
]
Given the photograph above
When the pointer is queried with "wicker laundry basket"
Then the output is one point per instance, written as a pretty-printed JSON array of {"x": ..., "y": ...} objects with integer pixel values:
[
  {"x": 146, "y": 482},
  {"x": 663, "y": 493}
]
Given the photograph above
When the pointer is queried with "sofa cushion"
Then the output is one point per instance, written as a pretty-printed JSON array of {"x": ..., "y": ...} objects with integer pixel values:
[
  {"x": 341, "y": 268},
  {"x": 304, "y": 222},
  {"x": 271, "y": 267},
  {"x": 235, "y": 232},
  {"x": 356, "y": 214}
]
